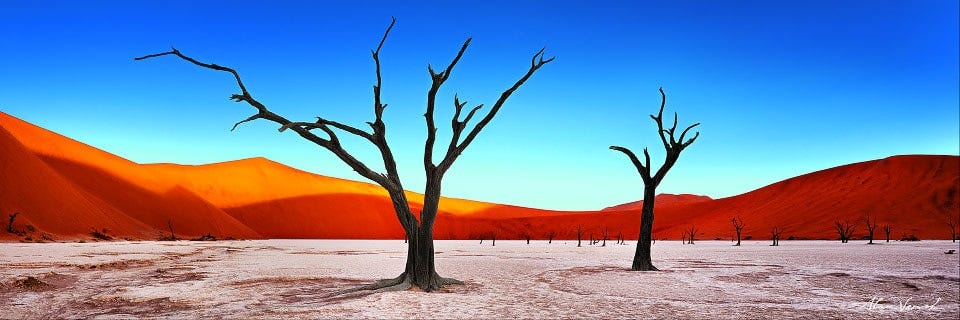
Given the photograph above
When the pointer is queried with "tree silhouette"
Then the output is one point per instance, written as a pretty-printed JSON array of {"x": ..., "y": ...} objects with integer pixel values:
[
  {"x": 886, "y": 230},
  {"x": 420, "y": 269},
  {"x": 871, "y": 222},
  {"x": 775, "y": 235},
  {"x": 673, "y": 148},
  {"x": 550, "y": 236},
  {"x": 579, "y": 234},
  {"x": 691, "y": 234},
  {"x": 952, "y": 223},
  {"x": 738, "y": 227},
  {"x": 845, "y": 229}
]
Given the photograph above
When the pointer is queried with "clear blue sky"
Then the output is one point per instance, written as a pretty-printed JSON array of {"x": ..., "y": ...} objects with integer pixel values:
[{"x": 782, "y": 87}]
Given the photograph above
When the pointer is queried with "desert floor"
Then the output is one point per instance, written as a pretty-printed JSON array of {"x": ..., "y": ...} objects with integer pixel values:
[{"x": 290, "y": 279}]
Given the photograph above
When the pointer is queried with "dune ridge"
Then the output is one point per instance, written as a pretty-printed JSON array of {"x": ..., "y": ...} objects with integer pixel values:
[{"x": 63, "y": 189}]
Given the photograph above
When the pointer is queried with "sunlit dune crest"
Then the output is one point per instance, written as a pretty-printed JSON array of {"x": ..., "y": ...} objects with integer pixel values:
[{"x": 64, "y": 189}]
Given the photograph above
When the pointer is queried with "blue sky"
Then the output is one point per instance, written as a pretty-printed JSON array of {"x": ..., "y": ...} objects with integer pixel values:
[{"x": 781, "y": 88}]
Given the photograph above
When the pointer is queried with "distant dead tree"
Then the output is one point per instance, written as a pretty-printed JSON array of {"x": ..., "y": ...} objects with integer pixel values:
[
  {"x": 591, "y": 239},
  {"x": 604, "y": 237},
  {"x": 579, "y": 234},
  {"x": 683, "y": 236},
  {"x": 871, "y": 223},
  {"x": 845, "y": 229},
  {"x": 10, "y": 229},
  {"x": 673, "y": 147},
  {"x": 620, "y": 237},
  {"x": 493, "y": 235},
  {"x": 550, "y": 236},
  {"x": 775, "y": 235},
  {"x": 952, "y": 223},
  {"x": 737, "y": 226},
  {"x": 886, "y": 230},
  {"x": 420, "y": 269},
  {"x": 173, "y": 237},
  {"x": 691, "y": 234},
  {"x": 526, "y": 235}
]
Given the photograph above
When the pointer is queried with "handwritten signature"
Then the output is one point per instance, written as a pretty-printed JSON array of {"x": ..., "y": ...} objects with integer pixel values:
[{"x": 902, "y": 305}]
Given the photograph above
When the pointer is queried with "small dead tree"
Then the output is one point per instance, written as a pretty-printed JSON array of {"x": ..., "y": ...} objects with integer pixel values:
[
  {"x": 526, "y": 236},
  {"x": 550, "y": 236},
  {"x": 420, "y": 269},
  {"x": 886, "y": 230},
  {"x": 619, "y": 237},
  {"x": 673, "y": 147},
  {"x": 683, "y": 237},
  {"x": 871, "y": 223},
  {"x": 10, "y": 229},
  {"x": 737, "y": 226},
  {"x": 604, "y": 237},
  {"x": 845, "y": 229},
  {"x": 579, "y": 234},
  {"x": 691, "y": 234},
  {"x": 173, "y": 236},
  {"x": 775, "y": 235},
  {"x": 494, "y": 237},
  {"x": 952, "y": 223}
]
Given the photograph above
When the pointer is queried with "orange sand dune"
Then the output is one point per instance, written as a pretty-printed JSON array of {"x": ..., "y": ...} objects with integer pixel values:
[
  {"x": 51, "y": 203},
  {"x": 662, "y": 200},
  {"x": 74, "y": 187}
]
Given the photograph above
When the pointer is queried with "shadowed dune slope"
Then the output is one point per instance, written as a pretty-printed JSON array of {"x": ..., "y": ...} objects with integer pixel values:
[
  {"x": 64, "y": 187},
  {"x": 51, "y": 203}
]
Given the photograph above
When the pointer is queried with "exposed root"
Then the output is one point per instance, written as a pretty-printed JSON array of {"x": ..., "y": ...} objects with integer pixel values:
[{"x": 400, "y": 283}]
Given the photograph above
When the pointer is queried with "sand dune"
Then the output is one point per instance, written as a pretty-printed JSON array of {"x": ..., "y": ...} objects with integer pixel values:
[{"x": 63, "y": 188}]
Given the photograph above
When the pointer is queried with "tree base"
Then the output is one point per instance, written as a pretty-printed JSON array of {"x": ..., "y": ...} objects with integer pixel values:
[
  {"x": 400, "y": 283},
  {"x": 646, "y": 267}
]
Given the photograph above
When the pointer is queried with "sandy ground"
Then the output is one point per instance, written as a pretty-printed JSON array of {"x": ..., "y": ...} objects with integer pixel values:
[{"x": 289, "y": 279}]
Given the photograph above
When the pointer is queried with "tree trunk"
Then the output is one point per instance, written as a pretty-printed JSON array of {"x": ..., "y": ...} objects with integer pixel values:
[
  {"x": 738, "y": 238},
  {"x": 641, "y": 259}
]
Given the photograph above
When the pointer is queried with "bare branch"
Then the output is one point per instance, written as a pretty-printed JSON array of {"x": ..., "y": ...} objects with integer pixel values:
[
  {"x": 438, "y": 80},
  {"x": 540, "y": 62},
  {"x": 176, "y": 52},
  {"x": 331, "y": 144},
  {"x": 644, "y": 170}
]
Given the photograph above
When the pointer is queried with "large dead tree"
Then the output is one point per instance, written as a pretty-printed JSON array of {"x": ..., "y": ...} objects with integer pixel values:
[
  {"x": 673, "y": 148},
  {"x": 420, "y": 269},
  {"x": 738, "y": 227}
]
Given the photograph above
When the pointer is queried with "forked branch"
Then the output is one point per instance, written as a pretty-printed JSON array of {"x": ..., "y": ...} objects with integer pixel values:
[{"x": 671, "y": 145}]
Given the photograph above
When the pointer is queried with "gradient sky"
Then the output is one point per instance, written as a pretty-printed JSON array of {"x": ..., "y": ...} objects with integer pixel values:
[{"x": 782, "y": 88}]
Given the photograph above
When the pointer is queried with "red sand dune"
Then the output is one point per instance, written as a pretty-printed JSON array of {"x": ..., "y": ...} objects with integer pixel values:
[{"x": 63, "y": 188}]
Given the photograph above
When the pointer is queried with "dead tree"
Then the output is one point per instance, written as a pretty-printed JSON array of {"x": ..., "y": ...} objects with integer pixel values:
[
  {"x": 886, "y": 230},
  {"x": 691, "y": 234},
  {"x": 494, "y": 236},
  {"x": 683, "y": 237},
  {"x": 527, "y": 237},
  {"x": 604, "y": 237},
  {"x": 952, "y": 223},
  {"x": 10, "y": 229},
  {"x": 420, "y": 268},
  {"x": 775, "y": 235},
  {"x": 619, "y": 237},
  {"x": 550, "y": 236},
  {"x": 673, "y": 147},
  {"x": 173, "y": 237},
  {"x": 845, "y": 229},
  {"x": 738, "y": 227},
  {"x": 871, "y": 222},
  {"x": 579, "y": 234}
]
